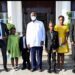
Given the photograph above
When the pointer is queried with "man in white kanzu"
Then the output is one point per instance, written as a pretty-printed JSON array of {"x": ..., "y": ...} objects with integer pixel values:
[{"x": 35, "y": 37}]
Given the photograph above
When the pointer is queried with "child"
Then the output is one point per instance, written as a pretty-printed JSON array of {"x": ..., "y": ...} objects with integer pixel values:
[
  {"x": 25, "y": 52},
  {"x": 51, "y": 45},
  {"x": 13, "y": 47}
]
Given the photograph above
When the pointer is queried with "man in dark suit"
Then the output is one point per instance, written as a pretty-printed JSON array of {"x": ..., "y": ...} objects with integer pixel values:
[
  {"x": 3, "y": 36},
  {"x": 25, "y": 52},
  {"x": 72, "y": 39},
  {"x": 51, "y": 45}
]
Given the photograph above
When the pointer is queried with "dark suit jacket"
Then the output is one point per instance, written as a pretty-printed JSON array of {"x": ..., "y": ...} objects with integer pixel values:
[
  {"x": 5, "y": 31},
  {"x": 21, "y": 43},
  {"x": 72, "y": 32},
  {"x": 51, "y": 42}
]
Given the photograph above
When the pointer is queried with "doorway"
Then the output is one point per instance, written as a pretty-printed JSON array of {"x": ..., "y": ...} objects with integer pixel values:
[{"x": 45, "y": 12}]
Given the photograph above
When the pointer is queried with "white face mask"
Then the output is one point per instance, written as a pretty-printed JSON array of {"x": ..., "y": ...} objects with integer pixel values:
[{"x": 33, "y": 18}]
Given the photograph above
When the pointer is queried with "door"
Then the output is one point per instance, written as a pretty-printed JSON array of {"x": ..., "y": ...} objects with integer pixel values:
[
  {"x": 43, "y": 14},
  {"x": 45, "y": 11}
]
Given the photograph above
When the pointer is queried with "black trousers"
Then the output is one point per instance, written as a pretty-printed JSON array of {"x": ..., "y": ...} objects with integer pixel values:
[
  {"x": 26, "y": 57},
  {"x": 52, "y": 55},
  {"x": 73, "y": 52},
  {"x": 3, "y": 50}
]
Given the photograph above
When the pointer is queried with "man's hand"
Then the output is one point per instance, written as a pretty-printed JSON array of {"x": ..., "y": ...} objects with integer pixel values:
[
  {"x": 72, "y": 43},
  {"x": 28, "y": 46},
  {"x": 46, "y": 50},
  {"x": 42, "y": 43},
  {"x": 4, "y": 38},
  {"x": 64, "y": 43}
]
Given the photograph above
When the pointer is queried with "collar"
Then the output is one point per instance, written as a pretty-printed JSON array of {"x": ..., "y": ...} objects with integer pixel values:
[{"x": 34, "y": 21}]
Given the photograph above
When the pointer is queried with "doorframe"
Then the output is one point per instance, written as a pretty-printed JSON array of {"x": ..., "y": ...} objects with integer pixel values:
[{"x": 47, "y": 10}]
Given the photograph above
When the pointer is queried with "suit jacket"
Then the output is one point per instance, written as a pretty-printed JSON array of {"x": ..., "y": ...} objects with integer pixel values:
[
  {"x": 21, "y": 43},
  {"x": 72, "y": 32},
  {"x": 5, "y": 31},
  {"x": 54, "y": 43}
]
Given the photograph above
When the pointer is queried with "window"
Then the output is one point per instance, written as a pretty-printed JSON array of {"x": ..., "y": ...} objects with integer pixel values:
[{"x": 3, "y": 11}]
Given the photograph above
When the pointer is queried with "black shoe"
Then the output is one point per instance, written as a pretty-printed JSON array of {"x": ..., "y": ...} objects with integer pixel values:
[
  {"x": 55, "y": 71},
  {"x": 29, "y": 68},
  {"x": 73, "y": 70},
  {"x": 33, "y": 70},
  {"x": 49, "y": 71},
  {"x": 6, "y": 69},
  {"x": 23, "y": 68}
]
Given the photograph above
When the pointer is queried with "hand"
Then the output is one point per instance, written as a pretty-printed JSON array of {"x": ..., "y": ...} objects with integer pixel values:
[
  {"x": 4, "y": 38},
  {"x": 64, "y": 43},
  {"x": 72, "y": 43},
  {"x": 28, "y": 46},
  {"x": 42, "y": 43},
  {"x": 28, "y": 51},
  {"x": 46, "y": 50}
]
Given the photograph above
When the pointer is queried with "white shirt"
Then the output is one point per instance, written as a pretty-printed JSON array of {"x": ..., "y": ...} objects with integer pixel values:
[
  {"x": 0, "y": 32},
  {"x": 35, "y": 33},
  {"x": 24, "y": 45}
]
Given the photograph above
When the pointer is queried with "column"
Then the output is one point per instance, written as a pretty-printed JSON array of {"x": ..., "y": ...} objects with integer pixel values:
[
  {"x": 62, "y": 7},
  {"x": 15, "y": 13}
]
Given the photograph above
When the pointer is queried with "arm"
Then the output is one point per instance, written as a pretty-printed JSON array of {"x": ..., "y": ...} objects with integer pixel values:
[
  {"x": 6, "y": 29},
  {"x": 71, "y": 32},
  {"x": 28, "y": 36},
  {"x": 66, "y": 39},
  {"x": 43, "y": 34},
  {"x": 8, "y": 44},
  {"x": 67, "y": 34},
  {"x": 46, "y": 42},
  {"x": 20, "y": 44},
  {"x": 57, "y": 39}
]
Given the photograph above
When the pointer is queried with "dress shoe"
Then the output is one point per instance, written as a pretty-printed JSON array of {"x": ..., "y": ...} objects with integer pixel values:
[
  {"x": 6, "y": 69},
  {"x": 33, "y": 70},
  {"x": 23, "y": 68},
  {"x": 29, "y": 68},
  {"x": 49, "y": 71},
  {"x": 55, "y": 71},
  {"x": 73, "y": 70}
]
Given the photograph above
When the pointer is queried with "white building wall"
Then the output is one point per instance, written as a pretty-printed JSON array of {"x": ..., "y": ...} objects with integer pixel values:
[
  {"x": 15, "y": 12},
  {"x": 58, "y": 9},
  {"x": 62, "y": 7}
]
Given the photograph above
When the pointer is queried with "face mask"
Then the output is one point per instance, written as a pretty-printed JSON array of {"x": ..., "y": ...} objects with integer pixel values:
[{"x": 33, "y": 18}]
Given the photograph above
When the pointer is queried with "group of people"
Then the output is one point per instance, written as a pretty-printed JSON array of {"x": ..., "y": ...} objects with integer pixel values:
[
  {"x": 30, "y": 45},
  {"x": 57, "y": 43}
]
